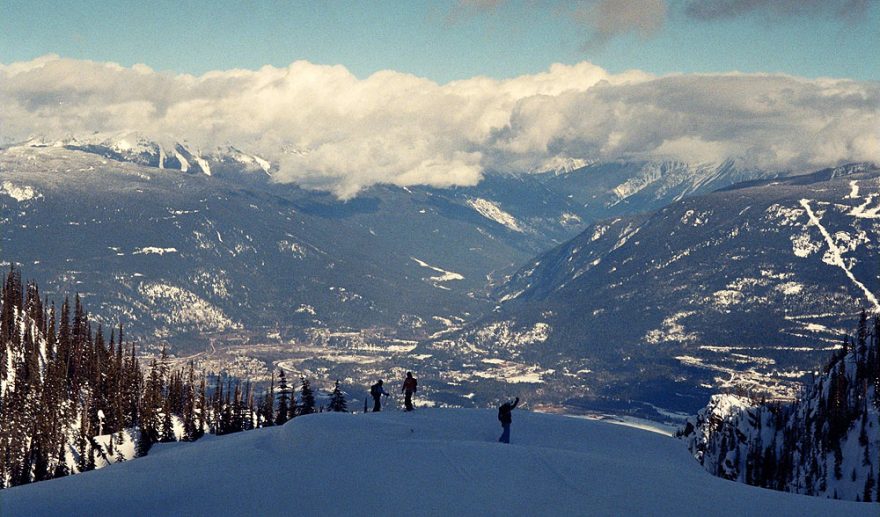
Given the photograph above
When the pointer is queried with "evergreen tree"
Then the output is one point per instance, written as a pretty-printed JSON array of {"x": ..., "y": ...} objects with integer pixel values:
[
  {"x": 61, "y": 469},
  {"x": 203, "y": 408},
  {"x": 150, "y": 424},
  {"x": 167, "y": 433},
  {"x": 337, "y": 400},
  {"x": 307, "y": 397},
  {"x": 283, "y": 399},
  {"x": 861, "y": 347},
  {"x": 268, "y": 406},
  {"x": 189, "y": 406}
]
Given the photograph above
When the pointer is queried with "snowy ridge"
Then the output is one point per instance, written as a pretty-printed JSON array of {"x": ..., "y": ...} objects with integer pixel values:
[
  {"x": 137, "y": 148},
  {"x": 432, "y": 461},
  {"x": 795, "y": 256}
]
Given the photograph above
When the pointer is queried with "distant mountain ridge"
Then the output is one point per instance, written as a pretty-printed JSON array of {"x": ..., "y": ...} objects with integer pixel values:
[
  {"x": 136, "y": 148},
  {"x": 748, "y": 286},
  {"x": 504, "y": 220},
  {"x": 204, "y": 261}
]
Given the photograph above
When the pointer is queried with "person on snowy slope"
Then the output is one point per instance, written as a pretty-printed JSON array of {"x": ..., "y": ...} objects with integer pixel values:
[
  {"x": 410, "y": 385},
  {"x": 376, "y": 391},
  {"x": 505, "y": 419}
]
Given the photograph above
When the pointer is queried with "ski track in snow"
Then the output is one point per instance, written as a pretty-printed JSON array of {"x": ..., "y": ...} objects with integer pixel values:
[
  {"x": 863, "y": 212},
  {"x": 854, "y": 190},
  {"x": 836, "y": 253}
]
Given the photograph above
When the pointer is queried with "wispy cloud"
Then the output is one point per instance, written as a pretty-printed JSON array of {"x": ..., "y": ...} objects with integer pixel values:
[
  {"x": 850, "y": 10},
  {"x": 607, "y": 19},
  {"x": 401, "y": 129}
]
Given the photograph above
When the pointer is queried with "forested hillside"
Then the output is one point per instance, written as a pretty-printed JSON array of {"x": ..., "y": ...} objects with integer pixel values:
[
  {"x": 72, "y": 399},
  {"x": 824, "y": 443}
]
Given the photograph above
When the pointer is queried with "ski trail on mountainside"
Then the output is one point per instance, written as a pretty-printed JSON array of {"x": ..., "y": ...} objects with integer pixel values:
[{"x": 836, "y": 254}]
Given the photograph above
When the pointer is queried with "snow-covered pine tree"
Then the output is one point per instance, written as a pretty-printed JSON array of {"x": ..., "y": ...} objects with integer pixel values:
[
  {"x": 65, "y": 384},
  {"x": 203, "y": 407}
]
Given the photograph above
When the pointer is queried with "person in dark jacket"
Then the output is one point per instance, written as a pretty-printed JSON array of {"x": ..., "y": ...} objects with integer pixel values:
[
  {"x": 505, "y": 419},
  {"x": 376, "y": 391},
  {"x": 410, "y": 385}
]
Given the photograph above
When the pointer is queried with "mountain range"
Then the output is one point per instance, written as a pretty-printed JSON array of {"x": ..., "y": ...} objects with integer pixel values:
[
  {"x": 185, "y": 241},
  {"x": 651, "y": 283},
  {"x": 748, "y": 287}
]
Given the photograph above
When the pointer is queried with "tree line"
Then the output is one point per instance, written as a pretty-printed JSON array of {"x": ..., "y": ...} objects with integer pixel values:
[
  {"x": 825, "y": 443},
  {"x": 64, "y": 383}
]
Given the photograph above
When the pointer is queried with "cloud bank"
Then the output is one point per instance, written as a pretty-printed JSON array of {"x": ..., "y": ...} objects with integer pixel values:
[{"x": 396, "y": 128}]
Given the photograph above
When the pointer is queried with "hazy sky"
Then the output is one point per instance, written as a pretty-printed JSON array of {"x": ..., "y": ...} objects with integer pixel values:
[
  {"x": 436, "y": 93},
  {"x": 445, "y": 41}
]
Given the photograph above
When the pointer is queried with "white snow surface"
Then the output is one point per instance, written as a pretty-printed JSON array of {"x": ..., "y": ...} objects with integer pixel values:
[
  {"x": 444, "y": 276},
  {"x": 184, "y": 165},
  {"x": 153, "y": 250},
  {"x": 834, "y": 255},
  {"x": 203, "y": 163},
  {"x": 429, "y": 462},
  {"x": 19, "y": 192},
  {"x": 492, "y": 210}
]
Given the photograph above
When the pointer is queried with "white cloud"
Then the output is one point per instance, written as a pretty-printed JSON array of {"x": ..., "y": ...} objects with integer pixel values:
[{"x": 398, "y": 128}]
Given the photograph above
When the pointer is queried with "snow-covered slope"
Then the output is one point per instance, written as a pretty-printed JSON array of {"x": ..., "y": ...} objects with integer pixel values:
[
  {"x": 749, "y": 286},
  {"x": 431, "y": 462}
]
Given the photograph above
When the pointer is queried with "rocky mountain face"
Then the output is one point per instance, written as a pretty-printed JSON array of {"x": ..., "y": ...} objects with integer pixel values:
[{"x": 749, "y": 287}]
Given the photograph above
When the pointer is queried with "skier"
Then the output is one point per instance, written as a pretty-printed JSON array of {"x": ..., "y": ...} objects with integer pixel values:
[
  {"x": 410, "y": 385},
  {"x": 505, "y": 419},
  {"x": 376, "y": 391}
]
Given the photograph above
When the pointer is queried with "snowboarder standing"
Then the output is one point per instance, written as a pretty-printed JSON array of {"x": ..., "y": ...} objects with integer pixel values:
[
  {"x": 505, "y": 419},
  {"x": 376, "y": 391},
  {"x": 410, "y": 385}
]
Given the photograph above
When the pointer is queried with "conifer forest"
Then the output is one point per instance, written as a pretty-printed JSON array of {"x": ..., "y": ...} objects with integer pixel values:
[
  {"x": 823, "y": 443},
  {"x": 73, "y": 397}
]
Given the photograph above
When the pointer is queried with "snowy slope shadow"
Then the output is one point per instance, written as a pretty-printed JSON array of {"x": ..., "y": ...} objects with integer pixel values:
[{"x": 430, "y": 462}]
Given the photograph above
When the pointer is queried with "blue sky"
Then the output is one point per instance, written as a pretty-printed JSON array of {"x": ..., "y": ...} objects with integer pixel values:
[{"x": 446, "y": 41}]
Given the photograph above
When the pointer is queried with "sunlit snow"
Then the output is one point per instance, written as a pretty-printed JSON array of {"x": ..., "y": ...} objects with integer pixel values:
[
  {"x": 491, "y": 210},
  {"x": 19, "y": 192}
]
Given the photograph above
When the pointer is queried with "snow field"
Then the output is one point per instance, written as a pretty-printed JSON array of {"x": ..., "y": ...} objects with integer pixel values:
[{"x": 428, "y": 462}]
